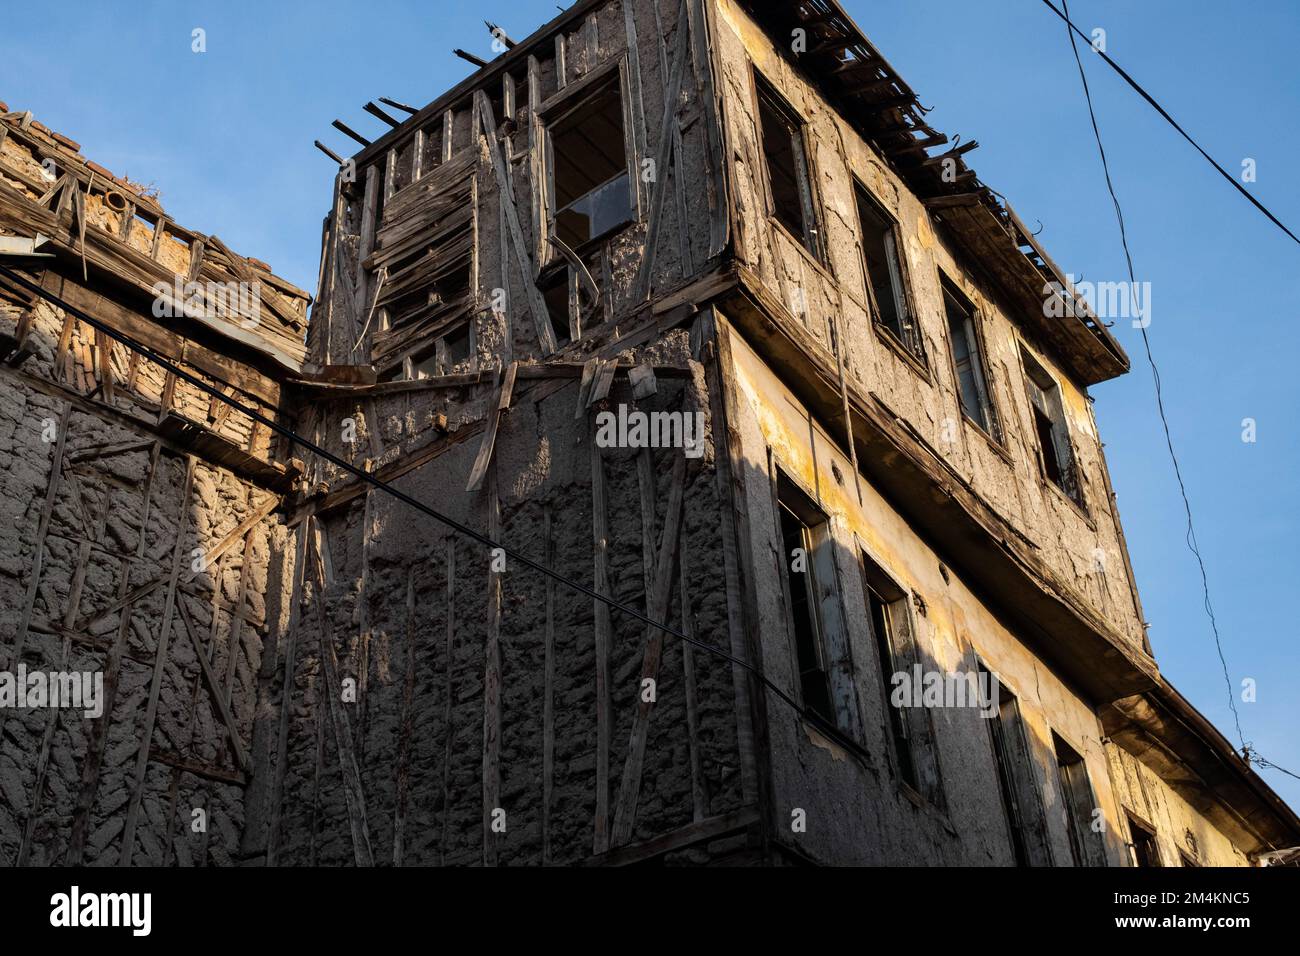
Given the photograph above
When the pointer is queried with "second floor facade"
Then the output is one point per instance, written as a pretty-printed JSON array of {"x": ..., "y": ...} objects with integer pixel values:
[{"x": 631, "y": 161}]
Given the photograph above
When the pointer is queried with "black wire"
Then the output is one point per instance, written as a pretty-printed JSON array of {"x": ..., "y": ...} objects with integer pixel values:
[
  {"x": 1072, "y": 29},
  {"x": 1155, "y": 373},
  {"x": 823, "y": 725}
]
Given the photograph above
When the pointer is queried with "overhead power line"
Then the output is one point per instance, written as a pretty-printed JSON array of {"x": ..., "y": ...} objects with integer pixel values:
[
  {"x": 822, "y": 724},
  {"x": 1169, "y": 119},
  {"x": 1155, "y": 375}
]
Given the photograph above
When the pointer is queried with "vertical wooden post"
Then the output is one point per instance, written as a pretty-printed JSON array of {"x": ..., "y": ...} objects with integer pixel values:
[
  {"x": 286, "y": 694},
  {"x": 447, "y": 718},
  {"x": 600, "y": 543},
  {"x": 407, "y": 726},
  {"x": 159, "y": 663},
  {"x": 492, "y": 686},
  {"x": 548, "y": 694},
  {"x": 98, "y": 738}
]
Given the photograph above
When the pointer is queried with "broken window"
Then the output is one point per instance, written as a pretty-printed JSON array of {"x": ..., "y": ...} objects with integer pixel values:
[
  {"x": 449, "y": 352},
  {"x": 968, "y": 362},
  {"x": 910, "y": 728},
  {"x": 797, "y": 536},
  {"x": 1145, "y": 851},
  {"x": 882, "y": 274},
  {"x": 788, "y": 181},
  {"x": 1021, "y": 802},
  {"x": 1076, "y": 792},
  {"x": 556, "y": 293},
  {"x": 591, "y": 190},
  {"x": 1055, "y": 451},
  {"x": 817, "y": 625}
]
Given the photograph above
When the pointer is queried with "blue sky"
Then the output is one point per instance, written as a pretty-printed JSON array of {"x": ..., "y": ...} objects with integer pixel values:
[{"x": 227, "y": 137}]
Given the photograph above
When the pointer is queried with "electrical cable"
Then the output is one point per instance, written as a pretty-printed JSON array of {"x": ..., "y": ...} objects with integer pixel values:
[
  {"x": 1072, "y": 29},
  {"x": 1155, "y": 375}
]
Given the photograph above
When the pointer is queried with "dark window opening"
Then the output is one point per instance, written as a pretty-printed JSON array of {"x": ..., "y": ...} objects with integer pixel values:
[
  {"x": 909, "y": 729},
  {"x": 883, "y": 274},
  {"x": 1021, "y": 802},
  {"x": 1145, "y": 851},
  {"x": 449, "y": 351},
  {"x": 797, "y": 561},
  {"x": 1007, "y": 786},
  {"x": 555, "y": 291},
  {"x": 1076, "y": 791},
  {"x": 787, "y": 166},
  {"x": 968, "y": 363},
  {"x": 1053, "y": 433},
  {"x": 878, "y": 614},
  {"x": 589, "y": 178}
]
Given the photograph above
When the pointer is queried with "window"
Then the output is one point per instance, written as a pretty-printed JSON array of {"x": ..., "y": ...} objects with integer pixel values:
[
  {"x": 1020, "y": 800},
  {"x": 1085, "y": 844},
  {"x": 910, "y": 730},
  {"x": 1055, "y": 452},
  {"x": 817, "y": 627},
  {"x": 1145, "y": 851},
  {"x": 788, "y": 181},
  {"x": 591, "y": 191},
  {"x": 882, "y": 274},
  {"x": 798, "y": 544},
  {"x": 556, "y": 293},
  {"x": 449, "y": 352},
  {"x": 968, "y": 361}
]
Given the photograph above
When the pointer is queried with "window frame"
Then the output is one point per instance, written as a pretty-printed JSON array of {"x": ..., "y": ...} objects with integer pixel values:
[
  {"x": 917, "y": 723},
  {"x": 1033, "y": 853},
  {"x": 1029, "y": 364},
  {"x": 813, "y": 240},
  {"x": 834, "y": 647},
  {"x": 975, "y": 321},
  {"x": 559, "y": 106},
  {"x": 1137, "y": 824},
  {"x": 903, "y": 294},
  {"x": 1086, "y": 846}
]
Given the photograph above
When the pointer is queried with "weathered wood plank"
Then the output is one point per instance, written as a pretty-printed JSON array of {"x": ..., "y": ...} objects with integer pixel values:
[
  {"x": 527, "y": 275},
  {"x": 91, "y": 765},
  {"x": 159, "y": 662},
  {"x": 657, "y": 610},
  {"x": 492, "y": 688},
  {"x": 604, "y": 722},
  {"x": 303, "y": 535}
]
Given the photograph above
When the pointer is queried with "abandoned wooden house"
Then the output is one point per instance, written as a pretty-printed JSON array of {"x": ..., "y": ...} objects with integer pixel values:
[{"x": 870, "y": 452}]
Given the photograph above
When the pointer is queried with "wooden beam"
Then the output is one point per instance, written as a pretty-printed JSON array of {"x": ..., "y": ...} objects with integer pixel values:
[
  {"x": 353, "y": 794},
  {"x": 604, "y": 722},
  {"x": 704, "y": 830},
  {"x": 655, "y": 217},
  {"x": 502, "y": 401},
  {"x": 527, "y": 275},
  {"x": 657, "y": 610},
  {"x": 159, "y": 662},
  {"x": 38, "y": 549},
  {"x": 303, "y": 534},
  {"x": 446, "y": 693},
  {"x": 548, "y": 692},
  {"x": 98, "y": 740},
  {"x": 407, "y": 731},
  {"x": 492, "y": 687},
  {"x": 215, "y": 691}
]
